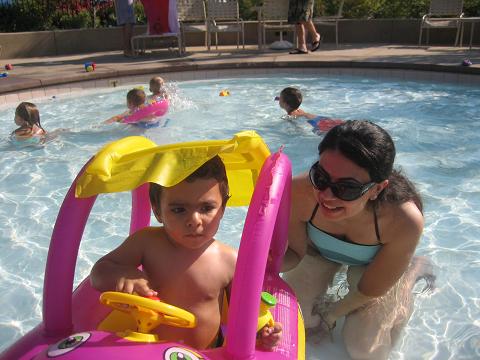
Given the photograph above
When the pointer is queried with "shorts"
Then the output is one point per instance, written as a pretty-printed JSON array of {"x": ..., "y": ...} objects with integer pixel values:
[
  {"x": 125, "y": 12},
  {"x": 300, "y": 11}
]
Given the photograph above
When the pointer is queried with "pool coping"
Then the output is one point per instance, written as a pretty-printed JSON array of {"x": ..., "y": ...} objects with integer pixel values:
[{"x": 47, "y": 76}]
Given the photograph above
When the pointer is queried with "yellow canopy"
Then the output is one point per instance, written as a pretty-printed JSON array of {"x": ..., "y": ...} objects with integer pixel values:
[{"x": 128, "y": 163}]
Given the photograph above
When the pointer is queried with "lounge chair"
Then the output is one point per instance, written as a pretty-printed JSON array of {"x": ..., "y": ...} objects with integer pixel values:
[
  {"x": 273, "y": 16},
  {"x": 192, "y": 17},
  {"x": 162, "y": 23},
  {"x": 224, "y": 16},
  {"x": 442, "y": 14},
  {"x": 331, "y": 20}
]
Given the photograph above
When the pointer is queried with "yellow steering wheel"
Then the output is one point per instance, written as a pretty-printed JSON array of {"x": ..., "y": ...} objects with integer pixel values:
[{"x": 148, "y": 313}]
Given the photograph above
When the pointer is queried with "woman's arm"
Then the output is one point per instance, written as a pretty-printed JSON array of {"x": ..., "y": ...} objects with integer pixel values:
[
  {"x": 302, "y": 204},
  {"x": 400, "y": 240}
]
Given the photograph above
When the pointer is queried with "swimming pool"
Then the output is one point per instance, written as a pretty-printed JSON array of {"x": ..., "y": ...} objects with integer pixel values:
[{"x": 435, "y": 127}]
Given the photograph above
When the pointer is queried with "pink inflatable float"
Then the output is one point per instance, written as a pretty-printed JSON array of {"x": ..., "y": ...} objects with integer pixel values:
[
  {"x": 71, "y": 321},
  {"x": 148, "y": 113}
]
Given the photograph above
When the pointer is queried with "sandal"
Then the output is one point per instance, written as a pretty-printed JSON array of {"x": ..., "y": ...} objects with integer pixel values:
[
  {"x": 298, "y": 51},
  {"x": 315, "y": 45}
]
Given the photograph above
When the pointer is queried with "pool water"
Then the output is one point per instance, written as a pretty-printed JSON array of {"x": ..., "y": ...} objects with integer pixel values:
[{"x": 435, "y": 126}]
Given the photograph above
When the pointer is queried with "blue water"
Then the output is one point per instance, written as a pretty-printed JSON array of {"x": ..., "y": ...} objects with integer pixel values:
[{"x": 435, "y": 126}]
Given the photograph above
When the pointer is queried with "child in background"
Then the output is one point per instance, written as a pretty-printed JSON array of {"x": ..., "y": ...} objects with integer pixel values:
[
  {"x": 182, "y": 261},
  {"x": 157, "y": 88},
  {"x": 135, "y": 100},
  {"x": 27, "y": 117},
  {"x": 290, "y": 100}
]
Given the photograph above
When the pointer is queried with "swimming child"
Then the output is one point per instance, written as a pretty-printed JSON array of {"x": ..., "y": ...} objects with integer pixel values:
[
  {"x": 290, "y": 100},
  {"x": 27, "y": 117},
  {"x": 182, "y": 262},
  {"x": 135, "y": 100},
  {"x": 157, "y": 87}
]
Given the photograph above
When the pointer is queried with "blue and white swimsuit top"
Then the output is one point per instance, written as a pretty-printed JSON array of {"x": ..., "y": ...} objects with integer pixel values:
[{"x": 342, "y": 251}]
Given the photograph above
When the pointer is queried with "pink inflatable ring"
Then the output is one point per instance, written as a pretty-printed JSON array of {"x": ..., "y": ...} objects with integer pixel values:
[{"x": 147, "y": 112}]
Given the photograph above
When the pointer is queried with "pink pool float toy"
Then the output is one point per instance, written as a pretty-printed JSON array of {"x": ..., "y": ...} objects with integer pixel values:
[{"x": 75, "y": 325}]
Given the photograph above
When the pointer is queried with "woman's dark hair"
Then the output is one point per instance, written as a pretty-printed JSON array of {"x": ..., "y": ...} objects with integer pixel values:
[
  {"x": 292, "y": 97},
  {"x": 371, "y": 147},
  {"x": 29, "y": 113},
  {"x": 212, "y": 169}
]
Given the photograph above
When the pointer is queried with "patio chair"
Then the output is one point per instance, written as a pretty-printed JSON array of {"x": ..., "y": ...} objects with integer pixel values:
[
  {"x": 442, "y": 14},
  {"x": 192, "y": 17},
  {"x": 331, "y": 20},
  {"x": 224, "y": 16},
  {"x": 161, "y": 24},
  {"x": 273, "y": 16}
]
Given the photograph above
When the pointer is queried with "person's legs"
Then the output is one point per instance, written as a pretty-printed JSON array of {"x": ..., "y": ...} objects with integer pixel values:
[
  {"x": 310, "y": 280},
  {"x": 301, "y": 45},
  {"x": 125, "y": 13},
  {"x": 127, "y": 37},
  {"x": 315, "y": 36},
  {"x": 371, "y": 332}
]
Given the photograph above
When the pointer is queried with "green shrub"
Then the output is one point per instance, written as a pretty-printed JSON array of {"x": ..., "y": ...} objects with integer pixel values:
[{"x": 81, "y": 20}]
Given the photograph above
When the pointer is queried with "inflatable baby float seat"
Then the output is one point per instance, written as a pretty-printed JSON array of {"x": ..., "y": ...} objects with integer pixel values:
[{"x": 70, "y": 325}]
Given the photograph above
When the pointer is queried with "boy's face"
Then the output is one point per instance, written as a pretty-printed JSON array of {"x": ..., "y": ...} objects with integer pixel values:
[{"x": 191, "y": 212}]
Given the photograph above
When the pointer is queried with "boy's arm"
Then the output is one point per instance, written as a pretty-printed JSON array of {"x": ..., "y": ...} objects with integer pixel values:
[
  {"x": 301, "y": 113},
  {"x": 118, "y": 270}
]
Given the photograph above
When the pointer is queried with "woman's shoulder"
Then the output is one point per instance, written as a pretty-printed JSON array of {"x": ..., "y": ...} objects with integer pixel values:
[
  {"x": 303, "y": 200},
  {"x": 403, "y": 220}
]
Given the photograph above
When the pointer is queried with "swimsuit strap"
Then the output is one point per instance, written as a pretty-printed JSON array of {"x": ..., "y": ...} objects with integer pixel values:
[
  {"x": 377, "y": 231},
  {"x": 314, "y": 212},
  {"x": 375, "y": 221}
]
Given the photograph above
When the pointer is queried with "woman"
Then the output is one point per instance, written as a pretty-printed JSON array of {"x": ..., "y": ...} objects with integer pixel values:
[{"x": 353, "y": 208}]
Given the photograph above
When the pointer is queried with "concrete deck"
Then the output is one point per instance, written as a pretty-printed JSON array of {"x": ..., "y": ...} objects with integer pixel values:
[{"x": 32, "y": 77}]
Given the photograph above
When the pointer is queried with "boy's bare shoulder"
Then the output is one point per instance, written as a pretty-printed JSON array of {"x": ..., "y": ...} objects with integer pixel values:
[
  {"x": 148, "y": 236},
  {"x": 225, "y": 254}
]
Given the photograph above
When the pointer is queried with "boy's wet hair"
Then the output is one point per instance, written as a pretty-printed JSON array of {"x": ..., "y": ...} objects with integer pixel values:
[
  {"x": 156, "y": 84},
  {"x": 29, "y": 113},
  {"x": 136, "y": 97},
  {"x": 212, "y": 169},
  {"x": 292, "y": 97}
]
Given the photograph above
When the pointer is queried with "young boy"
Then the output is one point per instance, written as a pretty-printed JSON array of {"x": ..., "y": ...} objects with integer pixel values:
[
  {"x": 157, "y": 88},
  {"x": 135, "y": 100},
  {"x": 182, "y": 262},
  {"x": 290, "y": 100}
]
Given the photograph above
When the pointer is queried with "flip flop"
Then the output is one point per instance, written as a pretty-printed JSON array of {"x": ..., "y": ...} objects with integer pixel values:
[
  {"x": 315, "y": 45},
  {"x": 298, "y": 51}
]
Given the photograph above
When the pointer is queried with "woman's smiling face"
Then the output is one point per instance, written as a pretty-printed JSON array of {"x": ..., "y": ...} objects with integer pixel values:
[{"x": 340, "y": 168}]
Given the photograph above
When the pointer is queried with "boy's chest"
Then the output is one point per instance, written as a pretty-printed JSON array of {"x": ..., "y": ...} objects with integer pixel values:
[{"x": 180, "y": 278}]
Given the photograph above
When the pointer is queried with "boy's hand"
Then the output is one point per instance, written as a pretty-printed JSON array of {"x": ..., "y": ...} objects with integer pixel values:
[
  {"x": 139, "y": 286},
  {"x": 269, "y": 336}
]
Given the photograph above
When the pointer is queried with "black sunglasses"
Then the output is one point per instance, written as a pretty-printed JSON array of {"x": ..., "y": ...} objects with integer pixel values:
[{"x": 347, "y": 190}]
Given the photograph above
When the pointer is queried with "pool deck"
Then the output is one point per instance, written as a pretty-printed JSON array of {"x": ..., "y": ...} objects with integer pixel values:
[{"x": 32, "y": 77}]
